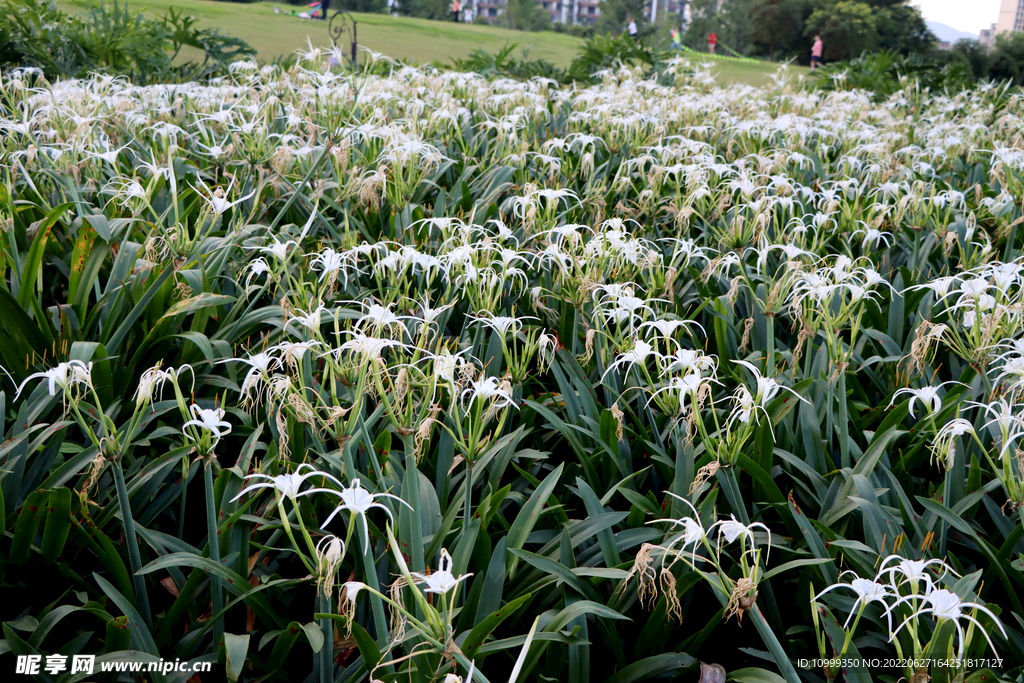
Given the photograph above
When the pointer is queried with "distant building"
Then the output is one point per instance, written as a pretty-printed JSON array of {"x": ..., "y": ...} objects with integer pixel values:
[
  {"x": 578, "y": 12},
  {"x": 1011, "y": 20},
  {"x": 658, "y": 8},
  {"x": 1011, "y": 17}
]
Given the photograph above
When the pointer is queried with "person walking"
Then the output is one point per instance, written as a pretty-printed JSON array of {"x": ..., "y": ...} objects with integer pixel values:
[
  {"x": 712, "y": 41},
  {"x": 631, "y": 27},
  {"x": 677, "y": 42},
  {"x": 456, "y": 10},
  {"x": 816, "y": 51}
]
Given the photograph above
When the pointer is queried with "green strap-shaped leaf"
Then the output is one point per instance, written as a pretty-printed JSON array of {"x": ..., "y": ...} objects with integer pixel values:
[
  {"x": 368, "y": 648},
  {"x": 58, "y": 524},
  {"x": 471, "y": 645},
  {"x": 233, "y": 582},
  {"x": 141, "y": 638},
  {"x": 236, "y": 648},
  {"x": 34, "y": 262},
  {"x": 25, "y": 528},
  {"x": 650, "y": 667},
  {"x": 530, "y": 513}
]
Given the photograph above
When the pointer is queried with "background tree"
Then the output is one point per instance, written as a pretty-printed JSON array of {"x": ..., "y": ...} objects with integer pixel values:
[
  {"x": 737, "y": 25},
  {"x": 704, "y": 20},
  {"x": 1008, "y": 58},
  {"x": 426, "y": 9},
  {"x": 778, "y": 25},
  {"x": 901, "y": 28},
  {"x": 615, "y": 16},
  {"x": 975, "y": 56},
  {"x": 525, "y": 15},
  {"x": 846, "y": 28},
  {"x": 731, "y": 21}
]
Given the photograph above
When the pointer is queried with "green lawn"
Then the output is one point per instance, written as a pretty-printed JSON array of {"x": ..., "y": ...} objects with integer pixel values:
[
  {"x": 420, "y": 40},
  {"x": 727, "y": 71}
]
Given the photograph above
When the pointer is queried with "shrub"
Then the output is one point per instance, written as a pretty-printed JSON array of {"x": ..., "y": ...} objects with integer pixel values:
[{"x": 109, "y": 39}]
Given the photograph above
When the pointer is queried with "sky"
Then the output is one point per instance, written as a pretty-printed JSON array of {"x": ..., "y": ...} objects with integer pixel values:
[{"x": 964, "y": 15}]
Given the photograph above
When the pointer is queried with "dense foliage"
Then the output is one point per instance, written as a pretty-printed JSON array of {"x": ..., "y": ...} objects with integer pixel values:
[
  {"x": 885, "y": 72},
  {"x": 1002, "y": 61},
  {"x": 786, "y": 28},
  {"x": 109, "y": 39},
  {"x": 595, "y": 57},
  {"x": 344, "y": 377}
]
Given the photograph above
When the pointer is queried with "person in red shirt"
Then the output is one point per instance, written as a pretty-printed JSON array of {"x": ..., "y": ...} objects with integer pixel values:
[{"x": 712, "y": 40}]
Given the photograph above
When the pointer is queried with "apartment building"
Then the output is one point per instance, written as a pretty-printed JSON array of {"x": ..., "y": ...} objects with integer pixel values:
[
  {"x": 577, "y": 12},
  {"x": 1011, "y": 16}
]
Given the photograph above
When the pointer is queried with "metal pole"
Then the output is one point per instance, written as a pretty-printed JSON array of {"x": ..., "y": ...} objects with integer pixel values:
[{"x": 355, "y": 46}]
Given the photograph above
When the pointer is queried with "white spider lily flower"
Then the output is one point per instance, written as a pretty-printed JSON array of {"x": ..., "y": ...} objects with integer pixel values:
[
  {"x": 208, "y": 419},
  {"x": 442, "y": 580},
  {"x": 693, "y": 531},
  {"x": 280, "y": 250},
  {"x": 62, "y": 376},
  {"x": 686, "y": 386},
  {"x": 913, "y": 572},
  {"x": 350, "y": 592},
  {"x": 502, "y": 324},
  {"x": 310, "y": 320},
  {"x": 447, "y": 364},
  {"x": 152, "y": 382},
  {"x": 637, "y": 355},
  {"x": 328, "y": 261},
  {"x": 744, "y": 405},
  {"x": 872, "y": 236},
  {"x": 329, "y": 552},
  {"x": 257, "y": 267},
  {"x": 945, "y": 605},
  {"x": 489, "y": 389},
  {"x": 1004, "y": 415},
  {"x": 867, "y": 591},
  {"x": 288, "y": 485},
  {"x": 218, "y": 204},
  {"x": 260, "y": 365},
  {"x": 767, "y": 387},
  {"x": 690, "y": 360},
  {"x": 380, "y": 318},
  {"x": 928, "y": 396},
  {"x": 547, "y": 347},
  {"x": 940, "y": 285},
  {"x": 731, "y": 529},
  {"x": 291, "y": 351},
  {"x": 108, "y": 155},
  {"x": 944, "y": 445},
  {"x": 357, "y": 501},
  {"x": 365, "y": 347}
]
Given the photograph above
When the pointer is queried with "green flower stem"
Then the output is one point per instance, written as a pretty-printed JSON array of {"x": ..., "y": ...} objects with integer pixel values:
[
  {"x": 291, "y": 537},
  {"x": 844, "y": 425},
  {"x": 216, "y": 588},
  {"x": 370, "y": 577},
  {"x": 412, "y": 494},
  {"x": 326, "y": 654},
  {"x": 138, "y": 581}
]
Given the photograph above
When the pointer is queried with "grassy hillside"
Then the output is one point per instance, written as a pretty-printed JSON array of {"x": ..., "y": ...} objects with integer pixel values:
[
  {"x": 399, "y": 37},
  {"x": 420, "y": 40}
]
